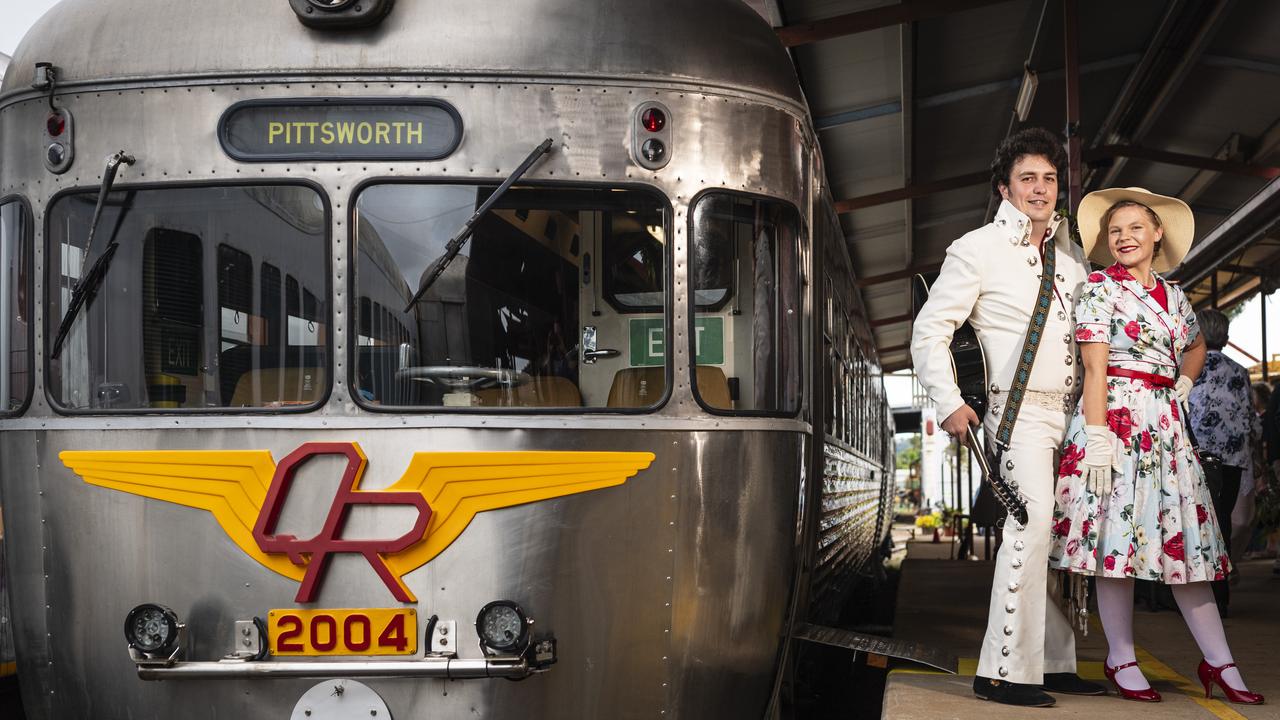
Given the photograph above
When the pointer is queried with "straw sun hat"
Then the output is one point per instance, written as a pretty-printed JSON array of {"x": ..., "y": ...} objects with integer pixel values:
[{"x": 1175, "y": 218}]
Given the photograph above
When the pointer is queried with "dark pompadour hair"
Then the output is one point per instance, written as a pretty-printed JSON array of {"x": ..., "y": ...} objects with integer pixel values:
[{"x": 1031, "y": 141}]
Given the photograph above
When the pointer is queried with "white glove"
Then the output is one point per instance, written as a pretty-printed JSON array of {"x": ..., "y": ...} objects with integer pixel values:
[
  {"x": 1183, "y": 388},
  {"x": 1097, "y": 460}
]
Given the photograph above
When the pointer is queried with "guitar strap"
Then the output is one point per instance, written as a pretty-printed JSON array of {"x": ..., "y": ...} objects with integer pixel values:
[{"x": 1008, "y": 494}]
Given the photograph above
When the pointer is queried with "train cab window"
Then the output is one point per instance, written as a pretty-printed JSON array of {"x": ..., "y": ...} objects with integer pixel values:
[
  {"x": 745, "y": 272},
  {"x": 15, "y": 305},
  {"x": 556, "y": 302},
  {"x": 192, "y": 312}
]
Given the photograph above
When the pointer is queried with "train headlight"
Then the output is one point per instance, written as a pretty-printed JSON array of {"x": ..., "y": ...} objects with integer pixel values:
[
  {"x": 151, "y": 629},
  {"x": 341, "y": 14},
  {"x": 503, "y": 627}
]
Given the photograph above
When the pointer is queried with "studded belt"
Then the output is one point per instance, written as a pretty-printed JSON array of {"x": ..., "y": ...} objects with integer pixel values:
[{"x": 1063, "y": 402}]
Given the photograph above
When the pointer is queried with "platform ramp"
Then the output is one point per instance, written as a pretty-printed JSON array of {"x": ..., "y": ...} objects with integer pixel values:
[{"x": 908, "y": 651}]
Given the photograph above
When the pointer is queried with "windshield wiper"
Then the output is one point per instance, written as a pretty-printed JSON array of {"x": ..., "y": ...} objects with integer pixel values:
[
  {"x": 454, "y": 246},
  {"x": 92, "y": 280}
]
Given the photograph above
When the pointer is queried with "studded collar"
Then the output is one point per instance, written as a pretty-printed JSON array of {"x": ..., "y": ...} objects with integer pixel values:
[{"x": 1015, "y": 226}]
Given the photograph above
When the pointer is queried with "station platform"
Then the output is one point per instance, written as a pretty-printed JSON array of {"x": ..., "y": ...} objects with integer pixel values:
[{"x": 943, "y": 602}]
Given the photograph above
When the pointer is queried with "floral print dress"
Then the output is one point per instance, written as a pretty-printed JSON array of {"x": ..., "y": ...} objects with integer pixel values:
[{"x": 1158, "y": 523}]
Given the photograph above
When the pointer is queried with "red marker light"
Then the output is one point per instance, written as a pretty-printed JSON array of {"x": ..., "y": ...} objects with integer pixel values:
[
  {"x": 653, "y": 119},
  {"x": 56, "y": 123}
]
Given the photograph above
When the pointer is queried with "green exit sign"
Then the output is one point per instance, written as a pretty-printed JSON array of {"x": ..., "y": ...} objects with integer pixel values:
[{"x": 649, "y": 341}]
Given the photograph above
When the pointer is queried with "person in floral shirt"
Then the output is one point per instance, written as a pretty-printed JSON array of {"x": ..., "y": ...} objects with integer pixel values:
[
  {"x": 1131, "y": 499},
  {"x": 1222, "y": 417}
]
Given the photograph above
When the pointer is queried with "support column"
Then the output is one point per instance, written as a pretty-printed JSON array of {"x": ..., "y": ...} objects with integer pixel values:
[
  {"x": 1266, "y": 360},
  {"x": 1070, "y": 41}
]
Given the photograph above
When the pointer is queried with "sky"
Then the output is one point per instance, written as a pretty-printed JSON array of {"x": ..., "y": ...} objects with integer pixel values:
[{"x": 16, "y": 18}]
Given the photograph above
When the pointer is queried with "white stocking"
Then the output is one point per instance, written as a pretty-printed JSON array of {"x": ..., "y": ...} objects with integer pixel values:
[
  {"x": 1115, "y": 609},
  {"x": 1200, "y": 612}
]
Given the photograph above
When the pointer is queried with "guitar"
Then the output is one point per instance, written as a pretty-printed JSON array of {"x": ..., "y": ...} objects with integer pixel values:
[
  {"x": 968, "y": 361},
  {"x": 969, "y": 364}
]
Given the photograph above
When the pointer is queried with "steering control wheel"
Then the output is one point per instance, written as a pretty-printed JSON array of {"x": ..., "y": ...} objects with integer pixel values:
[{"x": 462, "y": 377}]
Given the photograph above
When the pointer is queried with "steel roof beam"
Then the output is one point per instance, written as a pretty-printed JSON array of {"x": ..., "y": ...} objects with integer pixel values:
[
  {"x": 912, "y": 191},
  {"x": 1181, "y": 38},
  {"x": 922, "y": 268},
  {"x": 874, "y": 19},
  {"x": 1181, "y": 159},
  {"x": 890, "y": 107},
  {"x": 1250, "y": 222},
  {"x": 881, "y": 322},
  {"x": 1269, "y": 141}
]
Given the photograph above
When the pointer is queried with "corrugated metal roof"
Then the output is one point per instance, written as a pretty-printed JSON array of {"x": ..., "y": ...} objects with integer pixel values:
[{"x": 929, "y": 99}]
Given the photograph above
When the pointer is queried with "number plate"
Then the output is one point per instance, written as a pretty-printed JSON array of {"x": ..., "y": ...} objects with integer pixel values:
[{"x": 370, "y": 631}]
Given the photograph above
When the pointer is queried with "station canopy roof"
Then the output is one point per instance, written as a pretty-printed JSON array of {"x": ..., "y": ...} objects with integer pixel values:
[{"x": 910, "y": 100}]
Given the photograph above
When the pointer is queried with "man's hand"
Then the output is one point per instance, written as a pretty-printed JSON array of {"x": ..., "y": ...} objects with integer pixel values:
[
  {"x": 1097, "y": 460},
  {"x": 958, "y": 423}
]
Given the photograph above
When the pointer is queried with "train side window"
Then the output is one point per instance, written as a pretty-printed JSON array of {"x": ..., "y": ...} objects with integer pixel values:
[
  {"x": 184, "y": 323},
  {"x": 15, "y": 305},
  {"x": 509, "y": 321},
  {"x": 752, "y": 340}
]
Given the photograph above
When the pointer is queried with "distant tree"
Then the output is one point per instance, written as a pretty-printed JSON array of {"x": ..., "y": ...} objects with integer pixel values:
[{"x": 909, "y": 456}]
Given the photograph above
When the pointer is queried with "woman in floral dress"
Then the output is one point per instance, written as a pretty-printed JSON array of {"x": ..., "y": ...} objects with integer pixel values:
[{"x": 1131, "y": 499}]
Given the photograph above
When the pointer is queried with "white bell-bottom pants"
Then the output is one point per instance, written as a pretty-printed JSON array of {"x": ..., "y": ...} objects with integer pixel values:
[{"x": 1027, "y": 633}]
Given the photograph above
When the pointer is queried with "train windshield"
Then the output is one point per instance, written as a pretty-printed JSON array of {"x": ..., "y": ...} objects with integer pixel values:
[
  {"x": 558, "y": 301},
  {"x": 217, "y": 298}
]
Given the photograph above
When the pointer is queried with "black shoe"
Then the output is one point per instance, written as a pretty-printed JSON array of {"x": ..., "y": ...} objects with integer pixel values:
[
  {"x": 1071, "y": 684},
  {"x": 1009, "y": 693}
]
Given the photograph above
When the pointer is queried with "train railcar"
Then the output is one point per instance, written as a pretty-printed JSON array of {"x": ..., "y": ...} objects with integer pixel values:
[{"x": 358, "y": 357}]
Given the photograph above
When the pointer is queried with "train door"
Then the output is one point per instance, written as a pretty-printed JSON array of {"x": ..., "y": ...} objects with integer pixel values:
[
  {"x": 748, "y": 326},
  {"x": 622, "y": 290}
]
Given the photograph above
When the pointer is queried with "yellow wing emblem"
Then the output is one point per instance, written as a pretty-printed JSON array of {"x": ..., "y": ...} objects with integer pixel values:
[{"x": 244, "y": 490}]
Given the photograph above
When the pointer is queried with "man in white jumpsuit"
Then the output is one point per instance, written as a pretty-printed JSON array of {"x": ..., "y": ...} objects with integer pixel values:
[{"x": 991, "y": 277}]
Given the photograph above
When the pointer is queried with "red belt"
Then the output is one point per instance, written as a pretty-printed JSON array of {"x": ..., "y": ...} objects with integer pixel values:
[{"x": 1157, "y": 380}]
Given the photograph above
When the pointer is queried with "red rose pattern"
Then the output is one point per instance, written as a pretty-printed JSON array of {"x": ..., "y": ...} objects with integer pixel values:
[
  {"x": 1096, "y": 277},
  {"x": 1062, "y": 528},
  {"x": 1133, "y": 329},
  {"x": 1173, "y": 548},
  {"x": 1118, "y": 272},
  {"x": 1071, "y": 457},
  {"x": 1202, "y": 515},
  {"x": 1110, "y": 562},
  {"x": 1145, "y": 442},
  {"x": 1083, "y": 334},
  {"x": 1121, "y": 423}
]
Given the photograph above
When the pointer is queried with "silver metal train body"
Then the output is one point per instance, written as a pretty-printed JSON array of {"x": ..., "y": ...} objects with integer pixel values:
[{"x": 641, "y": 403}]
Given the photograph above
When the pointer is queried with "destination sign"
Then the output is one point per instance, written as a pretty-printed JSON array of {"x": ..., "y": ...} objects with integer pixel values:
[{"x": 340, "y": 129}]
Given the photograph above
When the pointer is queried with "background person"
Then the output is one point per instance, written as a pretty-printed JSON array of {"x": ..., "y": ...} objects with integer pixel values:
[{"x": 1222, "y": 415}]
